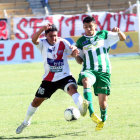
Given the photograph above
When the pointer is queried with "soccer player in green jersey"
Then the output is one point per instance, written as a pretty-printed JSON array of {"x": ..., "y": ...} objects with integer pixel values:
[{"x": 94, "y": 48}]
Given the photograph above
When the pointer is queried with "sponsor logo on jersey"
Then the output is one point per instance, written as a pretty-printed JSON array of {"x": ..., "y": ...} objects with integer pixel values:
[
  {"x": 85, "y": 42},
  {"x": 88, "y": 47},
  {"x": 93, "y": 42},
  {"x": 60, "y": 52},
  {"x": 49, "y": 50},
  {"x": 55, "y": 65},
  {"x": 70, "y": 80},
  {"x": 53, "y": 62},
  {"x": 105, "y": 88}
]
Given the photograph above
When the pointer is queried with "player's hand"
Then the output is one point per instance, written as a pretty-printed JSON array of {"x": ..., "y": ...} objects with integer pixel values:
[
  {"x": 116, "y": 29},
  {"x": 122, "y": 36},
  {"x": 75, "y": 51},
  {"x": 46, "y": 27},
  {"x": 73, "y": 47}
]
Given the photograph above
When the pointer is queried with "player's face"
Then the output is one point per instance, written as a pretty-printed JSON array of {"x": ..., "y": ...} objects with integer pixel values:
[
  {"x": 89, "y": 28},
  {"x": 52, "y": 37}
]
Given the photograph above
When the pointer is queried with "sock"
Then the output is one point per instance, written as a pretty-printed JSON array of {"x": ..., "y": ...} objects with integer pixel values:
[
  {"x": 31, "y": 110},
  {"x": 103, "y": 114},
  {"x": 77, "y": 98},
  {"x": 88, "y": 97}
]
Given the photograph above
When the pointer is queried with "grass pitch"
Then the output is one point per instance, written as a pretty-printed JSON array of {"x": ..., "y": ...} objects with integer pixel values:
[{"x": 19, "y": 82}]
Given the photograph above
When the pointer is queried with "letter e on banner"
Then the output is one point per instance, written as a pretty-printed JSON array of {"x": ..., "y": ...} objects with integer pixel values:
[
  {"x": 1, "y": 52},
  {"x": 13, "y": 52}
]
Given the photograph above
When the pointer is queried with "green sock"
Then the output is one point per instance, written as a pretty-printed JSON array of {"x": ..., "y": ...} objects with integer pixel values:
[
  {"x": 88, "y": 97},
  {"x": 103, "y": 114}
]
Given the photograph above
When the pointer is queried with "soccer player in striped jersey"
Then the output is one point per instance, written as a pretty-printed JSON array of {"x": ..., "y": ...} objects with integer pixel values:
[
  {"x": 54, "y": 51},
  {"x": 94, "y": 48}
]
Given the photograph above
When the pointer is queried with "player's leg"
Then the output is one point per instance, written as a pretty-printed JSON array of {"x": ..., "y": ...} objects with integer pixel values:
[
  {"x": 102, "y": 89},
  {"x": 103, "y": 110},
  {"x": 103, "y": 106},
  {"x": 88, "y": 93},
  {"x": 78, "y": 100},
  {"x": 45, "y": 91},
  {"x": 70, "y": 86},
  {"x": 87, "y": 79},
  {"x": 30, "y": 111}
]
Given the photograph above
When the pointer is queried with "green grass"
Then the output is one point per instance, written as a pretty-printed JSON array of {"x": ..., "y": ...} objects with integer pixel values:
[{"x": 19, "y": 82}]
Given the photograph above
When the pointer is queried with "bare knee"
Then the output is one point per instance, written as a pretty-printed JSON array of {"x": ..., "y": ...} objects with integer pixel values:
[
  {"x": 85, "y": 82},
  {"x": 72, "y": 89},
  {"x": 37, "y": 101}
]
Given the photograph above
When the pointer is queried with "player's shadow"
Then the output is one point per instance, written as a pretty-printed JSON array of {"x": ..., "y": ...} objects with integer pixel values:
[
  {"x": 28, "y": 137},
  {"x": 81, "y": 133}
]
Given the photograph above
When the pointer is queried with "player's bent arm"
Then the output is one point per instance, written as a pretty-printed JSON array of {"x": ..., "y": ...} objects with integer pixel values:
[
  {"x": 36, "y": 36},
  {"x": 79, "y": 60},
  {"x": 122, "y": 36},
  {"x": 75, "y": 52}
]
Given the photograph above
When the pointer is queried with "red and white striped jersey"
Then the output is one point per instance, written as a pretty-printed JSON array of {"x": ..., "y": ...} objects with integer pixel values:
[{"x": 55, "y": 59}]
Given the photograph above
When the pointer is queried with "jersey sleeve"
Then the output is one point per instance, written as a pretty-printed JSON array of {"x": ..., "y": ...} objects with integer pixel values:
[
  {"x": 68, "y": 48},
  {"x": 78, "y": 45},
  {"x": 40, "y": 45},
  {"x": 112, "y": 38},
  {"x": 81, "y": 54}
]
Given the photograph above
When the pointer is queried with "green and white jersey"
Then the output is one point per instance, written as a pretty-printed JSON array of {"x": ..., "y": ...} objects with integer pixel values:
[{"x": 94, "y": 50}]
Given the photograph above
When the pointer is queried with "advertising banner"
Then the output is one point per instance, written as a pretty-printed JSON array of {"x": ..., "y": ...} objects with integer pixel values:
[
  {"x": 131, "y": 45},
  {"x": 20, "y": 51},
  {"x": 4, "y": 29},
  {"x": 71, "y": 25}
]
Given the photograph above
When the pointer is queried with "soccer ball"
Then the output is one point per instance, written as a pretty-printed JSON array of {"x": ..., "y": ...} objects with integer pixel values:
[{"x": 71, "y": 113}]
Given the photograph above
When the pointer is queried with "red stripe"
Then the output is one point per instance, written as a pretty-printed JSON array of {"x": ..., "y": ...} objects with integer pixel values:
[
  {"x": 50, "y": 76},
  {"x": 60, "y": 51}
]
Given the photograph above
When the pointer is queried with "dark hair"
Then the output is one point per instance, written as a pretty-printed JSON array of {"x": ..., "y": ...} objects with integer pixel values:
[
  {"x": 53, "y": 28},
  {"x": 88, "y": 19}
]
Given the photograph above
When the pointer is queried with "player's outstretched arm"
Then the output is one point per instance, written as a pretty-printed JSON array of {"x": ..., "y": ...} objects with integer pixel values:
[
  {"x": 79, "y": 60},
  {"x": 37, "y": 34},
  {"x": 75, "y": 51},
  {"x": 120, "y": 33},
  {"x": 75, "y": 54}
]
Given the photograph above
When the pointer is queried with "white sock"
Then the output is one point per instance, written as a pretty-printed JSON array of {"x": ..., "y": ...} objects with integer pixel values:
[
  {"x": 31, "y": 110},
  {"x": 77, "y": 98}
]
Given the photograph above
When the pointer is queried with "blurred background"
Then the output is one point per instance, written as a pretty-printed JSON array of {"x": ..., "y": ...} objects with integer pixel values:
[{"x": 20, "y": 19}]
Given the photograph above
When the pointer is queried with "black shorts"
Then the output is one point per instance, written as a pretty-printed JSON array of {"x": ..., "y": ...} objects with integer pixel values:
[{"x": 47, "y": 88}]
